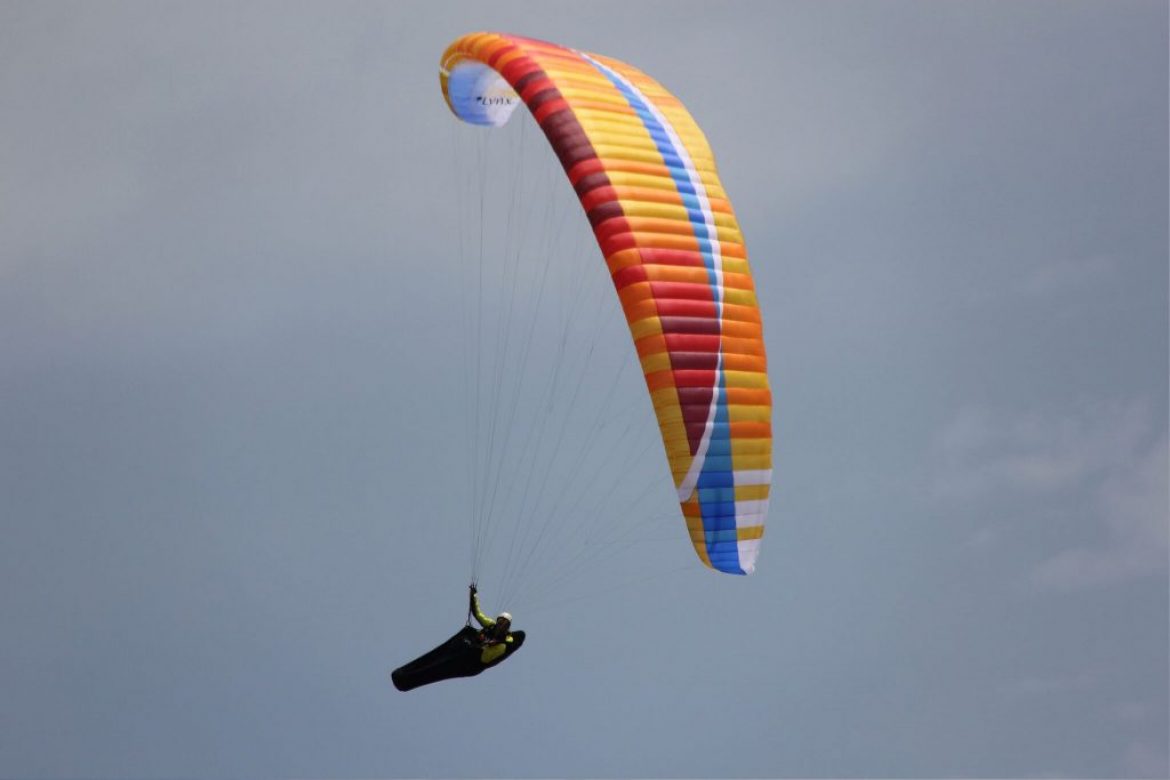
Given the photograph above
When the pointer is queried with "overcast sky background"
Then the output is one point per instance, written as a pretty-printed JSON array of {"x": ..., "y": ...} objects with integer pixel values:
[{"x": 233, "y": 442}]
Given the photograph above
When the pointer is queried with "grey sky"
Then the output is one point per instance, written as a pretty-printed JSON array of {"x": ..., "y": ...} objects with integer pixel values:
[{"x": 232, "y": 418}]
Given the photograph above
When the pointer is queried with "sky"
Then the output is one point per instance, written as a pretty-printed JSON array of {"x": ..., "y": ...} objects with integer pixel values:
[{"x": 241, "y": 443}]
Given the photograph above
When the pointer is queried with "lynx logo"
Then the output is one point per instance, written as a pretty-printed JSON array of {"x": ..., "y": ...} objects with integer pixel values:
[{"x": 493, "y": 101}]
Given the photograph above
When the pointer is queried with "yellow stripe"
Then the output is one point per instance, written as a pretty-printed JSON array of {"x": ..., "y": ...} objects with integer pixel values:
[
  {"x": 656, "y": 182},
  {"x": 647, "y": 327},
  {"x": 751, "y": 492},
  {"x": 637, "y": 155},
  {"x": 738, "y": 265},
  {"x": 659, "y": 361},
  {"x": 597, "y": 120},
  {"x": 753, "y": 462},
  {"x": 745, "y": 413},
  {"x": 744, "y": 379},
  {"x": 740, "y": 297},
  {"x": 741, "y": 447},
  {"x": 729, "y": 228}
]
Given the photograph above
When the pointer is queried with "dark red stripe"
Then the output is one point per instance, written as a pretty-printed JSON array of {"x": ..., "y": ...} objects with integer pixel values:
[
  {"x": 590, "y": 182},
  {"x": 607, "y": 211},
  {"x": 520, "y": 84},
  {"x": 552, "y": 118},
  {"x": 542, "y": 96},
  {"x": 696, "y": 413},
  {"x": 694, "y": 361},
  {"x": 695, "y": 431},
  {"x": 559, "y": 122},
  {"x": 695, "y": 405},
  {"x": 605, "y": 226},
  {"x": 694, "y": 396},
  {"x": 569, "y": 139},
  {"x": 690, "y": 325}
]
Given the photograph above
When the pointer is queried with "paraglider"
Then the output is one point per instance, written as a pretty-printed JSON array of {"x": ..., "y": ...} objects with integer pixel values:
[{"x": 645, "y": 177}]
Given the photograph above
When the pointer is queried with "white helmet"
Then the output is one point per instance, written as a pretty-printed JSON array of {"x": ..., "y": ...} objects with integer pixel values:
[{"x": 504, "y": 616}]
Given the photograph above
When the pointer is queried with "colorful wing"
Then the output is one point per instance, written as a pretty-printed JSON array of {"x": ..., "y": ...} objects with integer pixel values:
[{"x": 647, "y": 181}]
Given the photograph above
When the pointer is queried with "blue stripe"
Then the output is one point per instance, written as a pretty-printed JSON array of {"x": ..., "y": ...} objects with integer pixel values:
[
  {"x": 719, "y": 463},
  {"x": 723, "y": 494},
  {"x": 715, "y": 478},
  {"x": 719, "y": 513}
]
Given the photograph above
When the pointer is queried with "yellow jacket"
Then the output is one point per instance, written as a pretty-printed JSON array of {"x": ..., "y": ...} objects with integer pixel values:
[{"x": 495, "y": 650}]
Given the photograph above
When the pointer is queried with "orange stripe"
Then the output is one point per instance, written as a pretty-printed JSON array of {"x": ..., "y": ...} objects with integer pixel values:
[
  {"x": 748, "y": 395},
  {"x": 623, "y": 258},
  {"x": 751, "y": 430},
  {"x": 744, "y": 363},
  {"x": 640, "y": 310},
  {"x": 650, "y": 345},
  {"x": 660, "y": 379}
]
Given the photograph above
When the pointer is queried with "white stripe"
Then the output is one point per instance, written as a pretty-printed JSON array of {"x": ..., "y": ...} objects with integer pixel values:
[
  {"x": 752, "y": 478},
  {"x": 748, "y": 550},
  {"x": 687, "y": 486},
  {"x": 750, "y": 513}
]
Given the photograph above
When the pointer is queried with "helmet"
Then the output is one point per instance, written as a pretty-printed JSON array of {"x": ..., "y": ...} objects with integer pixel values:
[{"x": 504, "y": 616}]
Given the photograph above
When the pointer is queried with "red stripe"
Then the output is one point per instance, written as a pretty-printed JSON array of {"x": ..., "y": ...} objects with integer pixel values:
[
  {"x": 540, "y": 96},
  {"x": 617, "y": 243},
  {"x": 681, "y": 290},
  {"x": 551, "y": 107},
  {"x": 691, "y": 342},
  {"x": 590, "y": 182},
  {"x": 694, "y": 378},
  {"x": 585, "y": 167},
  {"x": 519, "y": 68},
  {"x": 508, "y": 48},
  {"x": 597, "y": 196},
  {"x": 631, "y": 274},
  {"x": 672, "y": 257},
  {"x": 521, "y": 83},
  {"x": 607, "y": 220}
]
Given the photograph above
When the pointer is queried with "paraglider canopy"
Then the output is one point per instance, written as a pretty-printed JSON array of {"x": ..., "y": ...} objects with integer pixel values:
[{"x": 646, "y": 179}]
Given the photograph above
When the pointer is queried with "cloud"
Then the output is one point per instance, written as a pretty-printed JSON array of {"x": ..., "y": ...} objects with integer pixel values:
[
  {"x": 1132, "y": 504},
  {"x": 1141, "y": 759},
  {"x": 980, "y": 452},
  {"x": 1106, "y": 458}
]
